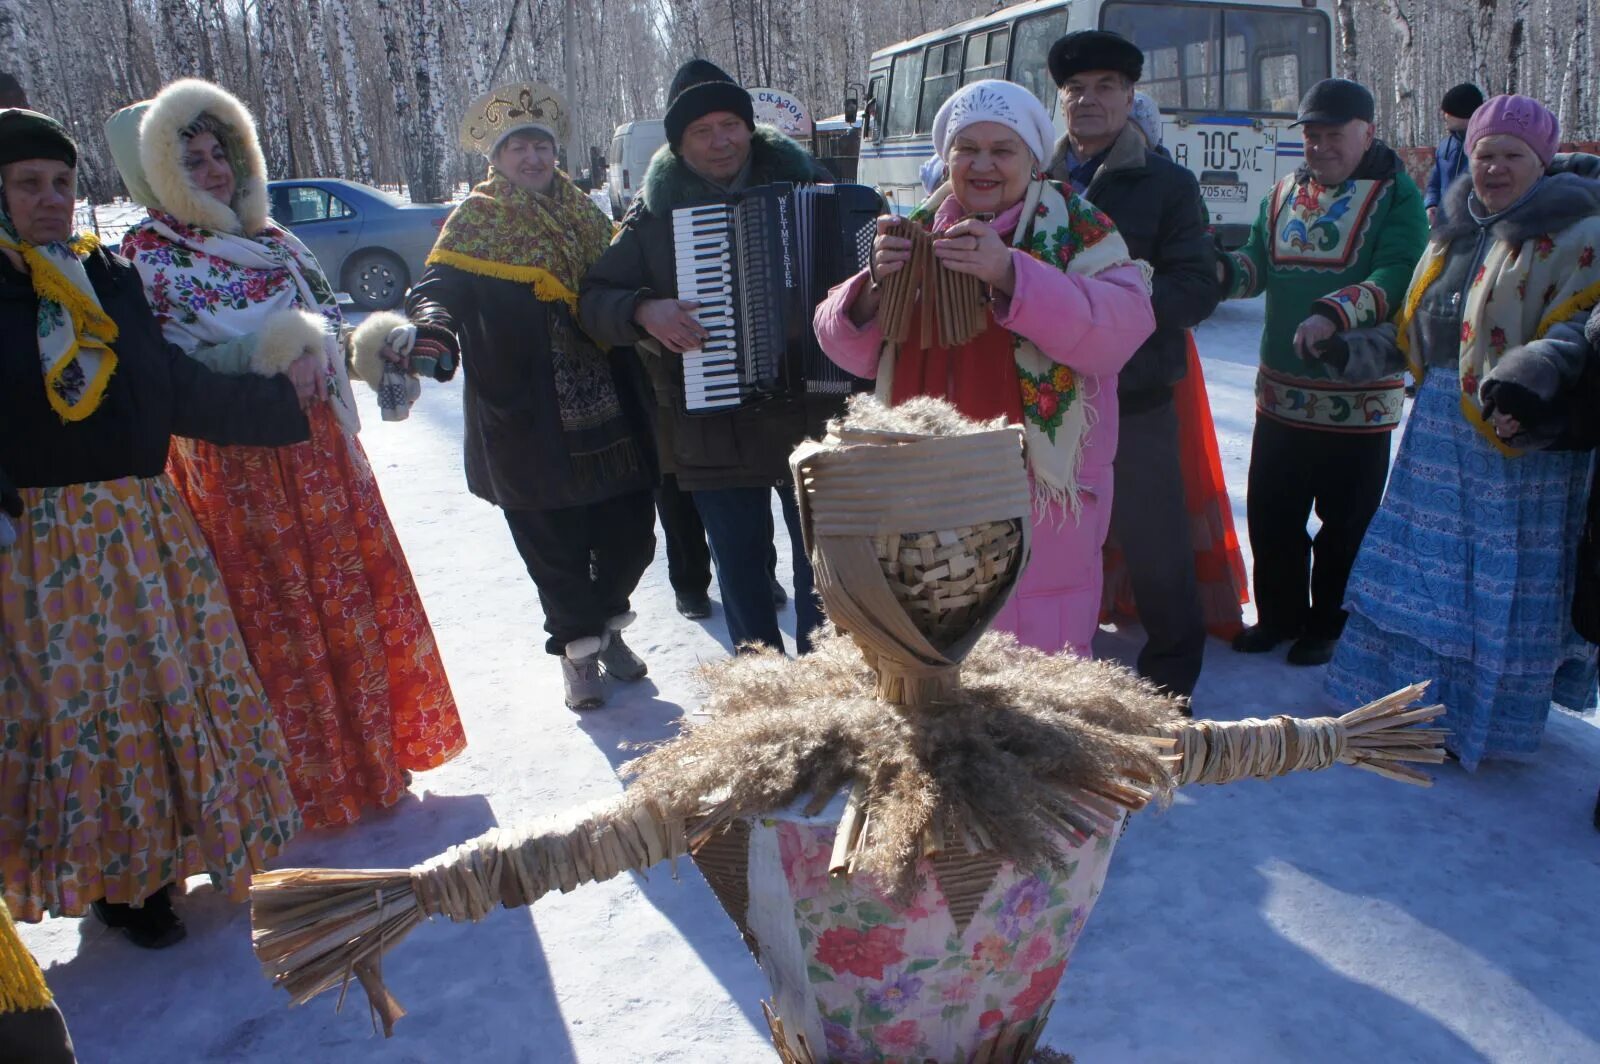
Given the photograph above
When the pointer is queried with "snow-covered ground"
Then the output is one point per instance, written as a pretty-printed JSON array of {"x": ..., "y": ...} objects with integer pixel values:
[{"x": 1338, "y": 917}]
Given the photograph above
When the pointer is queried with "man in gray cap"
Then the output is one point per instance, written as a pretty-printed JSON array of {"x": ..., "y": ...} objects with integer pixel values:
[
  {"x": 1333, "y": 248},
  {"x": 1156, "y": 206}
]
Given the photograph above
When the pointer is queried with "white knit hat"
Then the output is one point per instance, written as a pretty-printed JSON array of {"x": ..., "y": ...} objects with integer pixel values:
[{"x": 995, "y": 101}]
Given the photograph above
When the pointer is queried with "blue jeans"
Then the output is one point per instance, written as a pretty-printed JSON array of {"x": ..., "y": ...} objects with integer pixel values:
[{"x": 739, "y": 527}]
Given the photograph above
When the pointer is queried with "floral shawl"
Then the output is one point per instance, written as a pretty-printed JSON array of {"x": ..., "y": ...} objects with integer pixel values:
[
  {"x": 1516, "y": 296},
  {"x": 208, "y": 287},
  {"x": 74, "y": 331},
  {"x": 1062, "y": 229}
]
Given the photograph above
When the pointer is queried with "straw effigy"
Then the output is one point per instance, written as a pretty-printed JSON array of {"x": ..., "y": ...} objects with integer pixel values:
[{"x": 963, "y": 757}]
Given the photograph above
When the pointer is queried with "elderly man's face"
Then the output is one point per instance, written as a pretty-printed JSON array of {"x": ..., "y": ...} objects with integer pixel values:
[
  {"x": 1334, "y": 151},
  {"x": 716, "y": 145},
  {"x": 39, "y": 194},
  {"x": 1097, "y": 104}
]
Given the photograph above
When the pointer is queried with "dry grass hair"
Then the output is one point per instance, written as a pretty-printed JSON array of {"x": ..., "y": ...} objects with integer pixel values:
[{"x": 1024, "y": 734}]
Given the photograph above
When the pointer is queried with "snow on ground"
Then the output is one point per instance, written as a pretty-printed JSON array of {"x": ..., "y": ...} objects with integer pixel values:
[{"x": 1329, "y": 918}]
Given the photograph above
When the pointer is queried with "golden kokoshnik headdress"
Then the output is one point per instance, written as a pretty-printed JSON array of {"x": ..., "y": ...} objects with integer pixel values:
[{"x": 506, "y": 109}]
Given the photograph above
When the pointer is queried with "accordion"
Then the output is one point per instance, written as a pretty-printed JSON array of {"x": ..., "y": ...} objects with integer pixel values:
[{"x": 758, "y": 264}]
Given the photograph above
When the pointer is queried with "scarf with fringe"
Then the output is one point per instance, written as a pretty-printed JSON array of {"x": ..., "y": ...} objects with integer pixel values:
[
  {"x": 75, "y": 333},
  {"x": 548, "y": 241},
  {"x": 1059, "y": 227}
]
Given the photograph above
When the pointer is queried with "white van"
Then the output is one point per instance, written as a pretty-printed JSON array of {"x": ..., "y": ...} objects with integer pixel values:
[{"x": 631, "y": 148}]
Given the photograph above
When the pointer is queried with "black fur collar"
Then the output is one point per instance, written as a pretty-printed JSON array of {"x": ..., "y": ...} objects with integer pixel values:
[{"x": 773, "y": 157}]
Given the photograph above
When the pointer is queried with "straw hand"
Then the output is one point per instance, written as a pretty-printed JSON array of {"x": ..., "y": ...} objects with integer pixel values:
[{"x": 973, "y": 247}]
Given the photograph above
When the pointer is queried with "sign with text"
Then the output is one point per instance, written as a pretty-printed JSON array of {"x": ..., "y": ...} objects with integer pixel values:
[{"x": 774, "y": 107}]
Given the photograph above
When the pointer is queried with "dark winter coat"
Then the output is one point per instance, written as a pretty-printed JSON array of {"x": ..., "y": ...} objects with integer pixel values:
[
  {"x": 747, "y": 447},
  {"x": 516, "y": 455},
  {"x": 1449, "y": 163},
  {"x": 156, "y": 392},
  {"x": 1157, "y": 208},
  {"x": 1585, "y": 434}
]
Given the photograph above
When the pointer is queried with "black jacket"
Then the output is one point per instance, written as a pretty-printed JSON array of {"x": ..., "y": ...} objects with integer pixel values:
[
  {"x": 516, "y": 455},
  {"x": 1157, "y": 208},
  {"x": 156, "y": 392},
  {"x": 748, "y": 447}
]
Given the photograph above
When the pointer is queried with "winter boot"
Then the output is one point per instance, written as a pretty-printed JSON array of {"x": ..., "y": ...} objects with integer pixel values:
[
  {"x": 615, "y": 656},
  {"x": 695, "y": 605},
  {"x": 1260, "y": 638},
  {"x": 580, "y": 671},
  {"x": 154, "y": 925},
  {"x": 1312, "y": 650}
]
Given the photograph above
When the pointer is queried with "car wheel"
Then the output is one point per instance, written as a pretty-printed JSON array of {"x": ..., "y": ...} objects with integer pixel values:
[{"x": 375, "y": 280}]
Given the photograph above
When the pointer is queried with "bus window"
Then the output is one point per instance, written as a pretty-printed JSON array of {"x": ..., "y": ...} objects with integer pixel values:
[
  {"x": 1029, "y": 56},
  {"x": 1213, "y": 58},
  {"x": 986, "y": 55},
  {"x": 1272, "y": 57},
  {"x": 941, "y": 75},
  {"x": 904, "y": 85},
  {"x": 1180, "y": 51},
  {"x": 871, "y": 120}
]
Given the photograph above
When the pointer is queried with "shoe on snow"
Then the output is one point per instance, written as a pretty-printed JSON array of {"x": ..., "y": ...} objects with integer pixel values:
[
  {"x": 580, "y": 673},
  {"x": 696, "y": 607},
  {"x": 1259, "y": 638},
  {"x": 779, "y": 595},
  {"x": 619, "y": 660},
  {"x": 1310, "y": 650},
  {"x": 154, "y": 925}
]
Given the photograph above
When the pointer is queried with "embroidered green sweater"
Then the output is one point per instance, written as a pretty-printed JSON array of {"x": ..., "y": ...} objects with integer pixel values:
[{"x": 1346, "y": 253}]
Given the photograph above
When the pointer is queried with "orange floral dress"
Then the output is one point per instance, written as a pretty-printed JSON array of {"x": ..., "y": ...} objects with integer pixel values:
[
  {"x": 1218, "y": 561},
  {"x": 329, "y": 613}
]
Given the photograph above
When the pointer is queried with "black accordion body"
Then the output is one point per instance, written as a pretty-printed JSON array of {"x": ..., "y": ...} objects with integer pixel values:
[{"x": 758, "y": 263}]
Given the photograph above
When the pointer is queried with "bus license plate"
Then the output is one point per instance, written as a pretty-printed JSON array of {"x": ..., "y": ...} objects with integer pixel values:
[{"x": 1226, "y": 193}]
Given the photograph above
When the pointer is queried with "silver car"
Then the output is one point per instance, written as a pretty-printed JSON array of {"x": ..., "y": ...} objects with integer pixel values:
[{"x": 371, "y": 244}]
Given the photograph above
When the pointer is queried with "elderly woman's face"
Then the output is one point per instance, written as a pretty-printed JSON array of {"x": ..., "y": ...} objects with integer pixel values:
[
  {"x": 528, "y": 160},
  {"x": 990, "y": 167},
  {"x": 206, "y": 161},
  {"x": 1503, "y": 168},
  {"x": 39, "y": 195}
]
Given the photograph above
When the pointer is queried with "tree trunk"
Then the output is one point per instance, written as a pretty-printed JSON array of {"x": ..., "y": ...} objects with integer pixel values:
[
  {"x": 274, "y": 107},
  {"x": 353, "y": 116}
]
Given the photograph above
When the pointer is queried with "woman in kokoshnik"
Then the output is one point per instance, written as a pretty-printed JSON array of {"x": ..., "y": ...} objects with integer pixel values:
[
  {"x": 557, "y": 430},
  {"x": 329, "y": 611},
  {"x": 137, "y": 748},
  {"x": 1070, "y": 308},
  {"x": 1466, "y": 573}
]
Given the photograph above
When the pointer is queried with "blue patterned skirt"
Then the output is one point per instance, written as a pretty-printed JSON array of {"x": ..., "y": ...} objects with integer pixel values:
[{"x": 1465, "y": 578}]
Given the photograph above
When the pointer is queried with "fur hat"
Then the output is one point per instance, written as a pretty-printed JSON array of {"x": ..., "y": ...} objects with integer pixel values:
[
  {"x": 151, "y": 162},
  {"x": 1462, "y": 101},
  {"x": 700, "y": 88},
  {"x": 1004, "y": 102},
  {"x": 30, "y": 135},
  {"x": 1095, "y": 50},
  {"x": 1517, "y": 116}
]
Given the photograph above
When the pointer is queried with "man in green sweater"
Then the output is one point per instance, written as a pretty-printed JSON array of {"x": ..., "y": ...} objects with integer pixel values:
[{"x": 1333, "y": 248}]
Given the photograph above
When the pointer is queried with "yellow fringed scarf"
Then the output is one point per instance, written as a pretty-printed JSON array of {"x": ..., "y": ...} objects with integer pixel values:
[{"x": 22, "y": 986}]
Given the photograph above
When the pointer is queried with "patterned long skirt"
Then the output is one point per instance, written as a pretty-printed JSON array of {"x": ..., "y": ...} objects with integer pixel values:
[
  {"x": 1465, "y": 578},
  {"x": 330, "y": 615},
  {"x": 1218, "y": 562},
  {"x": 137, "y": 747}
]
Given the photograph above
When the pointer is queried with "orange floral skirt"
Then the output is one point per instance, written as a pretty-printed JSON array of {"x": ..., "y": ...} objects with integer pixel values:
[
  {"x": 329, "y": 612},
  {"x": 136, "y": 747},
  {"x": 1218, "y": 562}
]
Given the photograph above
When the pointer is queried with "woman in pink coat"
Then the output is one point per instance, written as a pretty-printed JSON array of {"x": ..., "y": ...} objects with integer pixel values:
[{"x": 1069, "y": 308}]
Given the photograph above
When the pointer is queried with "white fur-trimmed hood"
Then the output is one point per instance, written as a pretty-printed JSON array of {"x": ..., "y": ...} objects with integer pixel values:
[{"x": 172, "y": 111}]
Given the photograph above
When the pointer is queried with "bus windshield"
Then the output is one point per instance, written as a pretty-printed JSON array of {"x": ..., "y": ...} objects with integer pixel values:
[{"x": 1256, "y": 60}]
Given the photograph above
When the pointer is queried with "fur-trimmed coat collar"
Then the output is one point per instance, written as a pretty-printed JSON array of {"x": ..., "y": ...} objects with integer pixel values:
[
  {"x": 1557, "y": 201},
  {"x": 773, "y": 157},
  {"x": 172, "y": 111}
]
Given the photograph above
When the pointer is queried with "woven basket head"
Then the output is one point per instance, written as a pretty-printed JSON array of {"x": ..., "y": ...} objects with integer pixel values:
[{"x": 947, "y": 581}]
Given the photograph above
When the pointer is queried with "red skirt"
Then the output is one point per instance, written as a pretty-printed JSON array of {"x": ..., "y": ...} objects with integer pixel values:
[
  {"x": 329, "y": 613},
  {"x": 1218, "y": 562}
]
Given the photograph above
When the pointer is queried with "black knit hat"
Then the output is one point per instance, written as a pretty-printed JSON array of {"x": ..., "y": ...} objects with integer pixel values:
[
  {"x": 31, "y": 135},
  {"x": 1335, "y": 101},
  {"x": 1094, "y": 50},
  {"x": 699, "y": 88},
  {"x": 1462, "y": 101}
]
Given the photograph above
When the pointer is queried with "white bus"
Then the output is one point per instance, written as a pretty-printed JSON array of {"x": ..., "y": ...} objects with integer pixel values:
[{"x": 1228, "y": 77}]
